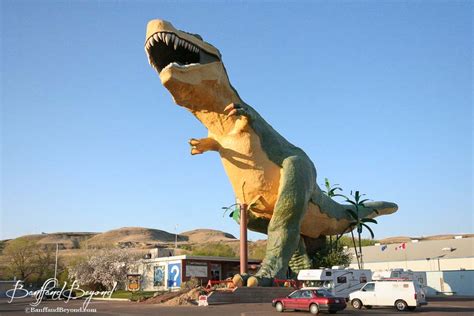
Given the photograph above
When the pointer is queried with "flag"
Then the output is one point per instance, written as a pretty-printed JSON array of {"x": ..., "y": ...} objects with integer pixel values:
[
  {"x": 383, "y": 247},
  {"x": 402, "y": 246}
]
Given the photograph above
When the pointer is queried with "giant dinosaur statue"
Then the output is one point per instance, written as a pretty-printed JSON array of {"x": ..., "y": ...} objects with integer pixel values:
[{"x": 266, "y": 171}]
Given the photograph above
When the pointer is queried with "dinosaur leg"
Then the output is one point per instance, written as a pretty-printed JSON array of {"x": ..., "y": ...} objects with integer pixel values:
[
  {"x": 300, "y": 259},
  {"x": 199, "y": 146},
  {"x": 296, "y": 185}
]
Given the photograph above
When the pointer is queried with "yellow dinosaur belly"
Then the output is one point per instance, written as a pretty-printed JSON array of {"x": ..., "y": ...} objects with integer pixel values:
[{"x": 254, "y": 177}]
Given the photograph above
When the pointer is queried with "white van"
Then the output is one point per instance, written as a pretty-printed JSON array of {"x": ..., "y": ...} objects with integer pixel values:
[{"x": 401, "y": 293}]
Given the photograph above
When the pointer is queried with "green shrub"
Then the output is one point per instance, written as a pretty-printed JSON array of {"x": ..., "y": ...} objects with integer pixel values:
[{"x": 214, "y": 250}]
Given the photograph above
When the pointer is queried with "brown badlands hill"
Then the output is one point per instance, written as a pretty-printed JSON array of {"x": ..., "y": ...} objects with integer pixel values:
[
  {"x": 127, "y": 237},
  {"x": 207, "y": 235},
  {"x": 134, "y": 237},
  {"x": 400, "y": 239},
  {"x": 65, "y": 240},
  {"x": 139, "y": 237}
]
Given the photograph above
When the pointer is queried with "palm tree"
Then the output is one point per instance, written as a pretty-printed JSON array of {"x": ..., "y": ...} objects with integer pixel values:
[
  {"x": 359, "y": 223},
  {"x": 330, "y": 191},
  {"x": 331, "y": 188},
  {"x": 234, "y": 211}
]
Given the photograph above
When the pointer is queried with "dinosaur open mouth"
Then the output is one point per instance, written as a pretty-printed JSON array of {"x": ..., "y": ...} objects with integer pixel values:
[{"x": 167, "y": 49}]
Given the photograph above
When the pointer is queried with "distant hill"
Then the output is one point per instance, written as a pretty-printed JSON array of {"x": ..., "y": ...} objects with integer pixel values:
[
  {"x": 400, "y": 239},
  {"x": 65, "y": 240},
  {"x": 207, "y": 235},
  {"x": 142, "y": 238},
  {"x": 134, "y": 237}
]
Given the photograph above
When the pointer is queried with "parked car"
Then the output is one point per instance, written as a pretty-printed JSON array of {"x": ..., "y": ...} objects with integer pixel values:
[
  {"x": 312, "y": 300},
  {"x": 400, "y": 293}
]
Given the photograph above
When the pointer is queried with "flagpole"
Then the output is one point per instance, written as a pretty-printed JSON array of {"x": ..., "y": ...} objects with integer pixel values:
[{"x": 406, "y": 262}]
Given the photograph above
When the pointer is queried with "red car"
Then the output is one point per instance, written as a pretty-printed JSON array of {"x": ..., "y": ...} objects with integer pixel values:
[{"x": 312, "y": 300}]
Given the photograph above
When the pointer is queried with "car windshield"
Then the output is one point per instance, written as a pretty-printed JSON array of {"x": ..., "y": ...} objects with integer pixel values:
[{"x": 323, "y": 293}]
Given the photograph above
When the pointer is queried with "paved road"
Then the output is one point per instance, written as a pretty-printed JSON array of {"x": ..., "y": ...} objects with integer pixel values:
[{"x": 451, "y": 306}]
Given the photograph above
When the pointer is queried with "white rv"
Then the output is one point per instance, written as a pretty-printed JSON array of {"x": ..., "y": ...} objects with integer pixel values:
[
  {"x": 419, "y": 276},
  {"x": 340, "y": 282}
]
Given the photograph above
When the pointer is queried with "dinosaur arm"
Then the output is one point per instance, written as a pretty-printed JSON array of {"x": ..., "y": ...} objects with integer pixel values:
[{"x": 199, "y": 146}]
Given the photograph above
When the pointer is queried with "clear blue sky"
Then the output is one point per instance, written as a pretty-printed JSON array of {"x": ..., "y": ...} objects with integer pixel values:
[{"x": 378, "y": 94}]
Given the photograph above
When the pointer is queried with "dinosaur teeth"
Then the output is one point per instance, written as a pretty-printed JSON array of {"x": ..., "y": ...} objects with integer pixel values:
[
  {"x": 170, "y": 39},
  {"x": 176, "y": 42}
]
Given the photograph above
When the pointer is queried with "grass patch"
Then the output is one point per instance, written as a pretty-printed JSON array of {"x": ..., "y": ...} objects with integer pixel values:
[{"x": 134, "y": 296}]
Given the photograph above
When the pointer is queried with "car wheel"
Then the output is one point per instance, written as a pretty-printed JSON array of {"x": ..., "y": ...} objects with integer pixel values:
[
  {"x": 368, "y": 306},
  {"x": 279, "y": 307},
  {"x": 401, "y": 305},
  {"x": 357, "y": 304},
  {"x": 314, "y": 309}
]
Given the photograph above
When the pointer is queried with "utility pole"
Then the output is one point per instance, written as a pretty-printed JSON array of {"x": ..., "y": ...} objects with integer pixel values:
[
  {"x": 56, "y": 264},
  {"x": 175, "y": 237},
  {"x": 243, "y": 239}
]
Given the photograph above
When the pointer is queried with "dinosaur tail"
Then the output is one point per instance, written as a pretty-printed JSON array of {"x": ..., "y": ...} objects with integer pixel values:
[{"x": 338, "y": 212}]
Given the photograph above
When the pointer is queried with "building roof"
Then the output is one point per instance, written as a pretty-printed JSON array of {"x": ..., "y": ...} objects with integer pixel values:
[
  {"x": 421, "y": 250},
  {"x": 202, "y": 258}
]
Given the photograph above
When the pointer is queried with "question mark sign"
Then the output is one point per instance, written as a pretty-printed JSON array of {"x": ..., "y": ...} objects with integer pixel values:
[{"x": 175, "y": 269}]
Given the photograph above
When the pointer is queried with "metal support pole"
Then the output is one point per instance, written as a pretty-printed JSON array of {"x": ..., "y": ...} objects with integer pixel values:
[
  {"x": 56, "y": 264},
  {"x": 243, "y": 239},
  {"x": 175, "y": 238}
]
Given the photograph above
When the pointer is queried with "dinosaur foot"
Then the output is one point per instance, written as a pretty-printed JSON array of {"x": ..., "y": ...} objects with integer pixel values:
[
  {"x": 251, "y": 281},
  {"x": 240, "y": 280}
]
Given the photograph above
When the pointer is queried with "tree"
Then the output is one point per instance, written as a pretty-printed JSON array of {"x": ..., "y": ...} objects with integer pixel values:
[
  {"x": 329, "y": 256},
  {"x": 29, "y": 261},
  {"x": 330, "y": 191},
  {"x": 45, "y": 261},
  {"x": 103, "y": 268},
  {"x": 359, "y": 223},
  {"x": 331, "y": 188},
  {"x": 20, "y": 256}
]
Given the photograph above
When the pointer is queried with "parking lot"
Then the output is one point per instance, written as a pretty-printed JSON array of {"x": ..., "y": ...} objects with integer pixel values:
[{"x": 446, "y": 306}]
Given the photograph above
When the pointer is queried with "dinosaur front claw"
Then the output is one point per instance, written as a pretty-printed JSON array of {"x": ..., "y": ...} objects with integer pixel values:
[
  {"x": 235, "y": 109},
  {"x": 199, "y": 146},
  {"x": 194, "y": 143}
]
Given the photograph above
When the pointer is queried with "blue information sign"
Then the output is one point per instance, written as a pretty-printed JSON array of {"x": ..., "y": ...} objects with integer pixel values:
[{"x": 174, "y": 274}]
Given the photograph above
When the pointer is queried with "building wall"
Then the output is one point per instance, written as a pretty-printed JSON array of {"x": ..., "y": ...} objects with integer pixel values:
[
  {"x": 422, "y": 265},
  {"x": 147, "y": 270},
  {"x": 450, "y": 283}
]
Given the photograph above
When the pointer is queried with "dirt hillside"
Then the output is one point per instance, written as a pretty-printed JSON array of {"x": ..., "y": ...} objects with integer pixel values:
[{"x": 207, "y": 235}]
